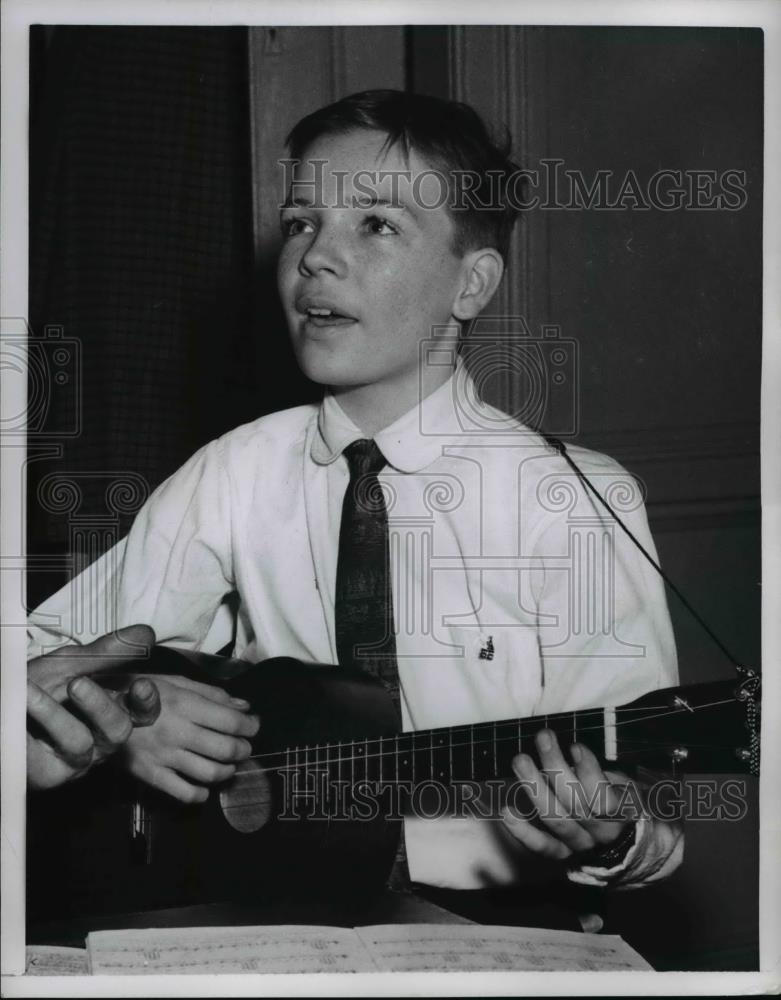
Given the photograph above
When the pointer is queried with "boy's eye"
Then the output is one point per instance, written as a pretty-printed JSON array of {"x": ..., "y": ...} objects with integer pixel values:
[
  {"x": 293, "y": 226},
  {"x": 379, "y": 225}
]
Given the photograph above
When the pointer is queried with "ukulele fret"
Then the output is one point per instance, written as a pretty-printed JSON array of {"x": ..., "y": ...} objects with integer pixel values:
[
  {"x": 316, "y": 782},
  {"x": 611, "y": 738},
  {"x": 306, "y": 774}
]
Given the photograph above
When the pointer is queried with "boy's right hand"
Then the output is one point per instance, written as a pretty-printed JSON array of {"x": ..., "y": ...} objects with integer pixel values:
[{"x": 199, "y": 737}]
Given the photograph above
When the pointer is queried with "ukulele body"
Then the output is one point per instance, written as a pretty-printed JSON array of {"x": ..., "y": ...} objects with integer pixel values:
[{"x": 107, "y": 843}]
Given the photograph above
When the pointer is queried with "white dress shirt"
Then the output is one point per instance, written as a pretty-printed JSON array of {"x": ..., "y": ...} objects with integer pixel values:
[{"x": 513, "y": 594}]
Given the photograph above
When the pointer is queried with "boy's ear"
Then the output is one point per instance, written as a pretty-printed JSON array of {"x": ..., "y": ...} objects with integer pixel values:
[{"x": 482, "y": 271}]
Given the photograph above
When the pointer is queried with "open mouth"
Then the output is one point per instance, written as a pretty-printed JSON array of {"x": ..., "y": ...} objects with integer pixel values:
[{"x": 325, "y": 316}]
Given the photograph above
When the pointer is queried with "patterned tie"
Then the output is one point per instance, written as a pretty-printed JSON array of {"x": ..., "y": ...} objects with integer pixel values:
[{"x": 364, "y": 599}]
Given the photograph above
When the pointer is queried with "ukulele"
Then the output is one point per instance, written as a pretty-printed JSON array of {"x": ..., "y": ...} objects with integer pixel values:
[{"x": 311, "y": 813}]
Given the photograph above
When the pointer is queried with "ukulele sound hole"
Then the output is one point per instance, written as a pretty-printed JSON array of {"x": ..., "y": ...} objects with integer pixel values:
[{"x": 246, "y": 801}]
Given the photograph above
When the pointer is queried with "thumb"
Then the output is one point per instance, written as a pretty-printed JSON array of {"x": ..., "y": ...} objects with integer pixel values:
[
  {"x": 109, "y": 651},
  {"x": 143, "y": 702}
]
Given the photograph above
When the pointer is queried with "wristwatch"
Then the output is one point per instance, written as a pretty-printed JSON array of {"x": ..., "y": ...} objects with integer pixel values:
[{"x": 611, "y": 855}]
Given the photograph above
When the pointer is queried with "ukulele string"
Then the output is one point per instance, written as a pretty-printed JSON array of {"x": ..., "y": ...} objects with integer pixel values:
[
  {"x": 421, "y": 733},
  {"x": 653, "y": 743},
  {"x": 390, "y": 754},
  {"x": 315, "y": 767}
]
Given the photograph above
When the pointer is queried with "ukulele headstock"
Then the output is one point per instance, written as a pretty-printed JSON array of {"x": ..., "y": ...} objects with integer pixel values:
[{"x": 706, "y": 728}]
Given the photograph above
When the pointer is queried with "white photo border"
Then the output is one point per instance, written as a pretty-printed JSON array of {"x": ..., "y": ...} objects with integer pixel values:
[{"x": 17, "y": 16}]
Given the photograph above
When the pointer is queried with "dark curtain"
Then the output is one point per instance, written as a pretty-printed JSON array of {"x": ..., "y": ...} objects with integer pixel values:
[{"x": 140, "y": 268}]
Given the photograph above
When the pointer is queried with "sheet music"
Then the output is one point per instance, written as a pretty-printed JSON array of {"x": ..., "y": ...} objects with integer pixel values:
[
  {"x": 386, "y": 948},
  {"x": 460, "y": 948},
  {"x": 49, "y": 960},
  {"x": 227, "y": 949}
]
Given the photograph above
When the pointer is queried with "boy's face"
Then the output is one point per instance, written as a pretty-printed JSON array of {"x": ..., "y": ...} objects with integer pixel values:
[{"x": 362, "y": 286}]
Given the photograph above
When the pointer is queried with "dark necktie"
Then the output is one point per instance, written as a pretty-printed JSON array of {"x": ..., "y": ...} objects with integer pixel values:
[
  {"x": 364, "y": 600},
  {"x": 364, "y": 597}
]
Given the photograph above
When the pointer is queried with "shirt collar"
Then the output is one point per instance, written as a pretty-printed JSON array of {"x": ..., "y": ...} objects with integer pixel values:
[{"x": 410, "y": 443}]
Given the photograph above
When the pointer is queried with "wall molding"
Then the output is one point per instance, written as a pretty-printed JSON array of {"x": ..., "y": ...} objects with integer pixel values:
[
  {"x": 705, "y": 514},
  {"x": 684, "y": 441},
  {"x": 501, "y": 70},
  {"x": 693, "y": 474}
]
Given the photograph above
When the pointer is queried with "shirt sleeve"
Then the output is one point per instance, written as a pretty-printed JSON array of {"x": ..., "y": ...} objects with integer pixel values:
[{"x": 172, "y": 571}]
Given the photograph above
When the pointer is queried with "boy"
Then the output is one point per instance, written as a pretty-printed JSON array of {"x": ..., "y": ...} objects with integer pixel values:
[{"x": 381, "y": 264}]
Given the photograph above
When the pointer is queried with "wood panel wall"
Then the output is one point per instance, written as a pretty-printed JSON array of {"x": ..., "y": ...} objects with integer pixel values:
[{"x": 664, "y": 308}]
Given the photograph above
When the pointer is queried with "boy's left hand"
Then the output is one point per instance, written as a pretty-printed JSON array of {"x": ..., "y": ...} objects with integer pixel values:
[
  {"x": 201, "y": 735},
  {"x": 577, "y": 804}
]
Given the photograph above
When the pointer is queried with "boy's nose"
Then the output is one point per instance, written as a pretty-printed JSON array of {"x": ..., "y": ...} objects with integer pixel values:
[{"x": 324, "y": 253}]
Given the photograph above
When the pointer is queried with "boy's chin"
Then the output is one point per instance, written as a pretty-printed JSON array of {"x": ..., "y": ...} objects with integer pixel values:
[
  {"x": 328, "y": 371},
  {"x": 328, "y": 380}
]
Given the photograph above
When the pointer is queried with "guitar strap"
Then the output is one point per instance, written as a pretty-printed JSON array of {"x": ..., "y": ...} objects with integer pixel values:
[
  {"x": 560, "y": 447},
  {"x": 748, "y": 690}
]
